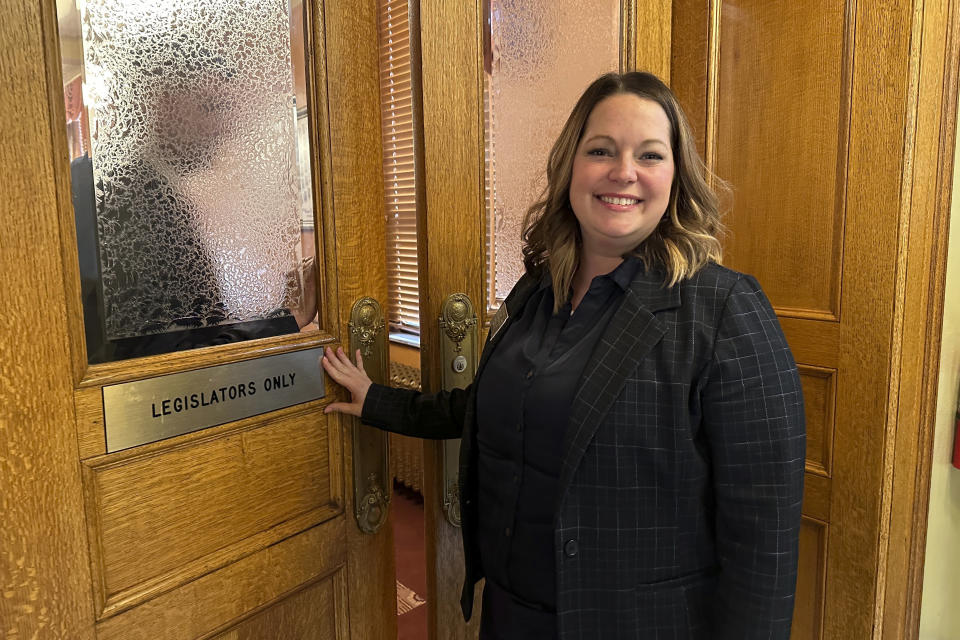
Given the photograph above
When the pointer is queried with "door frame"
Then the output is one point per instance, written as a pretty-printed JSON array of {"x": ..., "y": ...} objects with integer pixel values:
[{"x": 927, "y": 188}]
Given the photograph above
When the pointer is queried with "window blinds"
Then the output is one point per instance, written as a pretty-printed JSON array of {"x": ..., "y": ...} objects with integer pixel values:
[{"x": 396, "y": 117}]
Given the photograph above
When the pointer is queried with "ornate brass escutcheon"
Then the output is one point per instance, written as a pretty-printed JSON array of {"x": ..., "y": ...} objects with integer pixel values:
[
  {"x": 371, "y": 459},
  {"x": 458, "y": 330}
]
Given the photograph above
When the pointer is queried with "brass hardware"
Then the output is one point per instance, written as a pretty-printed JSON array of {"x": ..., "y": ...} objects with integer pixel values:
[
  {"x": 366, "y": 323},
  {"x": 457, "y": 318},
  {"x": 371, "y": 459},
  {"x": 161, "y": 407},
  {"x": 458, "y": 326},
  {"x": 372, "y": 507}
]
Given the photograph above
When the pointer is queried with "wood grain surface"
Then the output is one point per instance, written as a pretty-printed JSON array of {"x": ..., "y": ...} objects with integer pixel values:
[
  {"x": 926, "y": 188},
  {"x": 451, "y": 236},
  {"x": 44, "y": 570},
  {"x": 171, "y": 514},
  {"x": 306, "y": 615},
  {"x": 219, "y": 600},
  {"x": 352, "y": 75}
]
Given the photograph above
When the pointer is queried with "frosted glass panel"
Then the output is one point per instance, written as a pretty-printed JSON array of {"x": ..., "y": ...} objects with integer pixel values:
[
  {"x": 543, "y": 55},
  {"x": 202, "y": 199}
]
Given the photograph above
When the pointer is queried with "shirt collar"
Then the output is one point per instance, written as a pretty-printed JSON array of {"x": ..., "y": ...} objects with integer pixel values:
[
  {"x": 622, "y": 276},
  {"x": 626, "y": 271}
]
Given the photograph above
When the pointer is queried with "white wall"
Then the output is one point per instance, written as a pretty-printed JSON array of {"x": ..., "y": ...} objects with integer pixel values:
[{"x": 940, "y": 610}]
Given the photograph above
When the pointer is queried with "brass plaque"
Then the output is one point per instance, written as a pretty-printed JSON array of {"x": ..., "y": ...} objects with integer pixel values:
[{"x": 145, "y": 411}]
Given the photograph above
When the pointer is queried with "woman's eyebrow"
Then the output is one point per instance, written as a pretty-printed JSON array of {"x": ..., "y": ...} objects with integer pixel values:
[{"x": 605, "y": 138}]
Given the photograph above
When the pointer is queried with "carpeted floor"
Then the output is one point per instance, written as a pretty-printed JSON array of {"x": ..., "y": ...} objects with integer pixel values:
[{"x": 407, "y": 508}]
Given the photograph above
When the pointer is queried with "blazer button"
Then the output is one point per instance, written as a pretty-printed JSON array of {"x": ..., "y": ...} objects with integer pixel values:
[{"x": 570, "y": 548}]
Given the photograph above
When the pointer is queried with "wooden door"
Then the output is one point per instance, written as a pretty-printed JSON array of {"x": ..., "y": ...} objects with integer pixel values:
[
  {"x": 242, "y": 530},
  {"x": 827, "y": 118}
]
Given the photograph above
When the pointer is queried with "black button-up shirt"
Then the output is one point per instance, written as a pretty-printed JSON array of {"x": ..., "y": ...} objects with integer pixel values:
[{"x": 523, "y": 407}]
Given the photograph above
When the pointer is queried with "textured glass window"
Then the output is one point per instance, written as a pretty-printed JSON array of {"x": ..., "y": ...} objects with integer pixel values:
[
  {"x": 191, "y": 177},
  {"x": 542, "y": 55}
]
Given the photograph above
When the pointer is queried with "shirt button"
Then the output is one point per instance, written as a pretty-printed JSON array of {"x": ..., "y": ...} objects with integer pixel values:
[
  {"x": 516, "y": 478},
  {"x": 506, "y": 532},
  {"x": 519, "y": 427},
  {"x": 570, "y": 548},
  {"x": 529, "y": 374}
]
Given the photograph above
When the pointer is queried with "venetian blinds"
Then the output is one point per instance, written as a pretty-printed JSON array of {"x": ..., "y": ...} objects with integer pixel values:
[{"x": 396, "y": 117}]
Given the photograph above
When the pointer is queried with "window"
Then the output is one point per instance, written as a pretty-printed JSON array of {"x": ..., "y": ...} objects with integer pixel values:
[{"x": 399, "y": 177}]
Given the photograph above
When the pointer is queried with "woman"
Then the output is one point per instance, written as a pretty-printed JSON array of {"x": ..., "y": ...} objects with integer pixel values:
[{"x": 633, "y": 445}]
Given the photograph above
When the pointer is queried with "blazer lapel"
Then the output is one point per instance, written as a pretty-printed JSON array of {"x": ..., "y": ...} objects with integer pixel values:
[
  {"x": 510, "y": 308},
  {"x": 632, "y": 332}
]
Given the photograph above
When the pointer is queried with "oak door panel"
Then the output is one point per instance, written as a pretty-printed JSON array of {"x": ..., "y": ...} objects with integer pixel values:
[
  {"x": 216, "y": 601},
  {"x": 808, "y": 612},
  {"x": 819, "y": 399},
  {"x": 309, "y": 614},
  {"x": 781, "y": 131},
  {"x": 164, "y": 516}
]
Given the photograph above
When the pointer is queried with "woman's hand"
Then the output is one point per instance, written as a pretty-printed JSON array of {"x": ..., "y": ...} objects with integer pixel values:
[{"x": 351, "y": 376}]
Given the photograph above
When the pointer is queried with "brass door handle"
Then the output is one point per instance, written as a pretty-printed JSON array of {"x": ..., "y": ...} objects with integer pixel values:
[
  {"x": 371, "y": 456},
  {"x": 458, "y": 348}
]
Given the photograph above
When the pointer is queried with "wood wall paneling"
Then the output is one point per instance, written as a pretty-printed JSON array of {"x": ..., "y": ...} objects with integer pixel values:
[
  {"x": 819, "y": 399},
  {"x": 689, "y": 59},
  {"x": 869, "y": 362},
  {"x": 787, "y": 160},
  {"x": 808, "y": 612}
]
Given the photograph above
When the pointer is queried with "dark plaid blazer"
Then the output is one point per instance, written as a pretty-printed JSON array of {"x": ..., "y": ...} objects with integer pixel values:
[{"x": 678, "y": 509}]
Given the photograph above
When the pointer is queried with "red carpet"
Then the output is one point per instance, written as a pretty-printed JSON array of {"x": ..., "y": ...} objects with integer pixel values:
[{"x": 411, "y": 564}]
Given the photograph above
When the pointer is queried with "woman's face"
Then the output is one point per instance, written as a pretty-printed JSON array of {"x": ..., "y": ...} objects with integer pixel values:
[{"x": 622, "y": 173}]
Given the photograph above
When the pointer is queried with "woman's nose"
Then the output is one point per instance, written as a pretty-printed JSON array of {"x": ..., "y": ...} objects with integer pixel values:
[{"x": 624, "y": 170}]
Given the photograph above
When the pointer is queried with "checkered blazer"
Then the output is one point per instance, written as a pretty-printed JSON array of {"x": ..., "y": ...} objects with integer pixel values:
[{"x": 678, "y": 508}]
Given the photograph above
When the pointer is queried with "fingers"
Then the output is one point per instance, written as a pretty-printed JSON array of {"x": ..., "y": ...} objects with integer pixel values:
[
  {"x": 359, "y": 361},
  {"x": 337, "y": 364},
  {"x": 331, "y": 366},
  {"x": 342, "y": 407}
]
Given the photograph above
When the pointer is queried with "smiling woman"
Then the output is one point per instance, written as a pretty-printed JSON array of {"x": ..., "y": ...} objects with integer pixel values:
[{"x": 611, "y": 457}]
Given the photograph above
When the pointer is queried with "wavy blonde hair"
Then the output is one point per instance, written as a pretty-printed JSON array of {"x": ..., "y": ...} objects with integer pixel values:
[{"x": 686, "y": 239}]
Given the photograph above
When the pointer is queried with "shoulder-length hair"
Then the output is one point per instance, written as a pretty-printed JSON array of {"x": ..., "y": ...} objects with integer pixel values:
[{"x": 688, "y": 236}]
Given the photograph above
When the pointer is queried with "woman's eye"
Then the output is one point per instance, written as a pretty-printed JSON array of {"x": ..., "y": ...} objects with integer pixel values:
[
  {"x": 599, "y": 152},
  {"x": 651, "y": 156}
]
